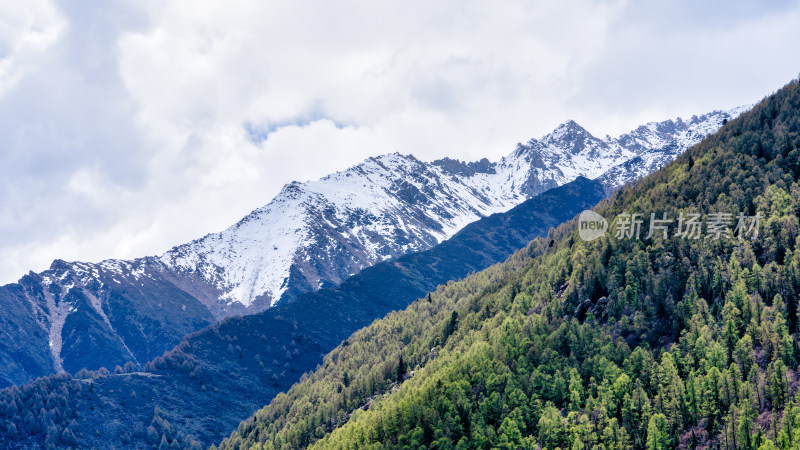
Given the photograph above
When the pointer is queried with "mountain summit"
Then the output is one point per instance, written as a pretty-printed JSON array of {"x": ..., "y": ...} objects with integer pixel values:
[
  {"x": 627, "y": 343},
  {"x": 311, "y": 235}
]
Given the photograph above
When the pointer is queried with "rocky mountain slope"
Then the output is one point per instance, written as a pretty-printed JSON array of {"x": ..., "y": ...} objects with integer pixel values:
[
  {"x": 238, "y": 365},
  {"x": 315, "y": 234},
  {"x": 655, "y": 342}
]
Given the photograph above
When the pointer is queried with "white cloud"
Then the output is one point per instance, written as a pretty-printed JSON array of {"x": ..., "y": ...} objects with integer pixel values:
[
  {"x": 129, "y": 127},
  {"x": 668, "y": 60},
  {"x": 27, "y": 29}
]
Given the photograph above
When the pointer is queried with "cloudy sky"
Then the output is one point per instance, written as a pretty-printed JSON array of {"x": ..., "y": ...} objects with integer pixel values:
[{"x": 127, "y": 127}]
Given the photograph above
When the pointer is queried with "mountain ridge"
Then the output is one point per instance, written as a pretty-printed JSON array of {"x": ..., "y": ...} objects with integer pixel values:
[
  {"x": 644, "y": 343},
  {"x": 312, "y": 235},
  {"x": 237, "y": 365},
  {"x": 436, "y": 203}
]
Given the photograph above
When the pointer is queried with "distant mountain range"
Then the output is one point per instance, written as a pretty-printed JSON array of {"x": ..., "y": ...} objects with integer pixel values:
[
  {"x": 312, "y": 235},
  {"x": 238, "y": 365}
]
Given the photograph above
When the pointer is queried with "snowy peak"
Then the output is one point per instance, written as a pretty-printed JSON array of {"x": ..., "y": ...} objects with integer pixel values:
[
  {"x": 658, "y": 143},
  {"x": 317, "y": 233},
  {"x": 572, "y": 137},
  {"x": 676, "y": 133},
  {"x": 320, "y": 232},
  {"x": 311, "y": 235},
  {"x": 567, "y": 152}
]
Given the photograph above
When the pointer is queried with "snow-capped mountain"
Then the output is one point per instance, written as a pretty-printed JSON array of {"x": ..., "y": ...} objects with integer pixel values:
[
  {"x": 310, "y": 235},
  {"x": 658, "y": 143},
  {"x": 320, "y": 232}
]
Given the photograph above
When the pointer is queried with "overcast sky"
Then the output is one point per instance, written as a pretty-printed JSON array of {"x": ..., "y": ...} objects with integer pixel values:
[{"x": 127, "y": 127}]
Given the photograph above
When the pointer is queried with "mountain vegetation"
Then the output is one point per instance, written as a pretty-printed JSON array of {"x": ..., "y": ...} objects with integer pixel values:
[
  {"x": 312, "y": 235},
  {"x": 657, "y": 342},
  {"x": 198, "y": 392}
]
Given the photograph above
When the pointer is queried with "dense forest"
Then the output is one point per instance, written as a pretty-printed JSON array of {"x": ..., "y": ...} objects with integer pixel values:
[
  {"x": 614, "y": 343},
  {"x": 198, "y": 392}
]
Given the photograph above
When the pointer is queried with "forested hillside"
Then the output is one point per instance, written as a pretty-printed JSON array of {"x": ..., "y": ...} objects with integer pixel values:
[
  {"x": 201, "y": 390},
  {"x": 614, "y": 343}
]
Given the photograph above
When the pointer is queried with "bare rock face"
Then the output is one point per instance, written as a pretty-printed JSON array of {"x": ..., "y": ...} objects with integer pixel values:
[{"x": 596, "y": 308}]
